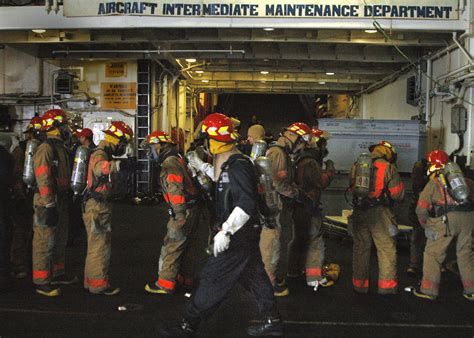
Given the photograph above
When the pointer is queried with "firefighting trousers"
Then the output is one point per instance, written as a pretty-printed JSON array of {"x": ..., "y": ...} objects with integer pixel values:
[
  {"x": 375, "y": 224},
  {"x": 461, "y": 225},
  {"x": 307, "y": 244},
  {"x": 242, "y": 263},
  {"x": 98, "y": 223},
  {"x": 417, "y": 240},
  {"x": 179, "y": 251},
  {"x": 49, "y": 242},
  {"x": 22, "y": 232},
  {"x": 271, "y": 243}
]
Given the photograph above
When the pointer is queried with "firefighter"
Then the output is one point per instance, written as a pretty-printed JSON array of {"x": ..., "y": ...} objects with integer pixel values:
[
  {"x": 22, "y": 217},
  {"x": 443, "y": 216},
  {"x": 292, "y": 141},
  {"x": 179, "y": 250},
  {"x": 419, "y": 178},
  {"x": 236, "y": 256},
  {"x": 98, "y": 206},
  {"x": 255, "y": 132},
  {"x": 50, "y": 222},
  {"x": 372, "y": 219},
  {"x": 307, "y": 239}
]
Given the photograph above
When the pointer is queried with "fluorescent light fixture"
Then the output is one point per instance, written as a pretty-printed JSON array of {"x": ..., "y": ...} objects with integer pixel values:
[
  {"x": 39, "y": 31},
  {"x": 199, "y": 71},
  {"x": 190, "y": 60},
  {"x": 205, "y": 81},
  {"x": 322, "y": 82},
  {"x": 266, "y": 60},
  {"x": 109, "y": 118},
  {"x": 370, "y": 31},
  {"x": 269, "y": 29},
  {"x": 330, "y": 73},
  {"x": 264, "y": 72}
]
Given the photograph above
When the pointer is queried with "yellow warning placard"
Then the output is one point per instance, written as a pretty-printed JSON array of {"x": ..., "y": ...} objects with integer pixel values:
[
  {"x": 116, "y": 69},
  {"x": 119, "y": 95}
]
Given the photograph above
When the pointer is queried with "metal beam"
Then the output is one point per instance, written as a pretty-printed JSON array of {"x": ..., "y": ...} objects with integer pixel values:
[{"x": 35, "y": 17}]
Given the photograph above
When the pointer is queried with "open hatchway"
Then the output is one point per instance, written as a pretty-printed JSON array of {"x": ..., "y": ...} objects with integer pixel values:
[{"x": 301, "y": 68}]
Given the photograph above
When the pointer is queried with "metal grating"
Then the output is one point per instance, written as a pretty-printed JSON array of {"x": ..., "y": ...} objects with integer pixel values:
[{"x": 143, "y": 124}]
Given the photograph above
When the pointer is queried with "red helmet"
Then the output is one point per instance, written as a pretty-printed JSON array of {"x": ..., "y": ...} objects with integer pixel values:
[
  {"x": 220, "y": 128},
  {"x": 86, "y": 132},
  {"x": 159, "y": 137},
  {"x": 35, "y": 124},
  {"x": 301, "y": 129},
  {"x": 53, "y": 118},
  {"x": 120, "y": 130},
  {"x": 386, "y": 144},
  {"x": 437, "y": 159}
]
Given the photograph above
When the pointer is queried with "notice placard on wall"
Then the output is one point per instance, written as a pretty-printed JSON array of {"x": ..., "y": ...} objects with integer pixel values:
[
  {"x": 345, "y": 9},
  {"x": 116, "y": 69},
  {"x": 118, "y": 95}
]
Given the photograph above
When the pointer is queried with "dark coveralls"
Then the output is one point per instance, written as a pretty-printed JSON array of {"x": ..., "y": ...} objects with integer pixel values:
[
  {"x": 242, "y": 262},
  {"x": 6, "y": 172}
]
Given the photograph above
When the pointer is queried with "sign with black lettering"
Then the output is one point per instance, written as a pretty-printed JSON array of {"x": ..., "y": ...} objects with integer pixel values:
[
  {"x": 347, "y": 9},
  {"x": 118, "y": 95},
  {"x": 116, "y": 69}
]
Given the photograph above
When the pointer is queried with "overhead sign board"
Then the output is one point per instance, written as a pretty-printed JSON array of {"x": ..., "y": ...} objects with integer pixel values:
[
  {"x": 118, "y": 95},
  {"x": 346, "y": 9}
]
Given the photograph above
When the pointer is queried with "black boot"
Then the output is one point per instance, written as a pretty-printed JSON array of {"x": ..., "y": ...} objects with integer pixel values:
[
  {"x": 183, "y": 330},
  {"x": 271, "y": 326}
]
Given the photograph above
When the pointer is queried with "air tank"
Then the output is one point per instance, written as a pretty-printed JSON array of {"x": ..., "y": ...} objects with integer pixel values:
[
  {"x": 456, "y": 182},
  {"x": 362, "y": 175},
  {"x": 272, "y": 200},
  {"x": 28, "y": 168},
  {"x": 259, "y": 148},
  {"x": 79, "y": 170}
]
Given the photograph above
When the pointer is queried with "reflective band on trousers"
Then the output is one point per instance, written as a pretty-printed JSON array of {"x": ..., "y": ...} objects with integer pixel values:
[
  {"x": 172, "y": 178},
  {"x": 359, "y": 283},
  {"x": 313, "y": 272},
  {"x": 426, "y": 284},
  {"x": 166, "y": 284},
  {"x": 387, "y": 284},
  {"x": 40, "y": 274},
  {"x": 97, "y": 283}
]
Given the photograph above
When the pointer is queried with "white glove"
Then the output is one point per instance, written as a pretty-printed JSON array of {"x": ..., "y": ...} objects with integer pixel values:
[
  {"x": 221, "y": 242},
  {"x": 199, "y": 165},
  {"x": 234, "y": 222}
]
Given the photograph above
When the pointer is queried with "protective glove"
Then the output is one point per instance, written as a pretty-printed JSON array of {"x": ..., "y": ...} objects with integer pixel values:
[
  {"x": 236, "y": 220},
  {"x": 330, "y": 165},
  {"x": 194, "y": 160},
  {"x": 52, "y": 216},
  {"x": 199, "y": 165},
  {"x": 221, "y": 242}
]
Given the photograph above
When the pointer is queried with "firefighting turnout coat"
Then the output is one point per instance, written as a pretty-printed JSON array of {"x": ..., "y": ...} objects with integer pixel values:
[
  {"x": 178, "y": 187},
  {"x": 101, "y": 167},
  {"x": 282, "y": 168},
  {"x": 52, "y": 171}
]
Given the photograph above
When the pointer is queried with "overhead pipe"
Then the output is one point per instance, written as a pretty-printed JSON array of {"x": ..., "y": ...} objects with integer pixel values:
[
  {"x": 148, "y": 51},
  {"x": 461, "y": 47}
]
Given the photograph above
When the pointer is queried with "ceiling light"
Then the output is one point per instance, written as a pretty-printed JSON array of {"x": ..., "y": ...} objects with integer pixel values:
[
  {"x": 264, "y": 72},
  {"x": 269, "y": 29},
  {"x": 370, "y": 31},
  {"x": 330, "y": 73},
  {"x": 39, "y": 31},
  {"x": 199, "y": 71},
  {"x": 266, "y": 60},
  {"x": 205, "y": 81},
  {"x": 190, "y": 60},
  {"x": 322, "y": 82}
]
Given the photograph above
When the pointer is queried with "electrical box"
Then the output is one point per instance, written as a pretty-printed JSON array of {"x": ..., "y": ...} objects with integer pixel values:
[
  {"x": 458, "y": 119},
  {"x": 64, "y": 83}
]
